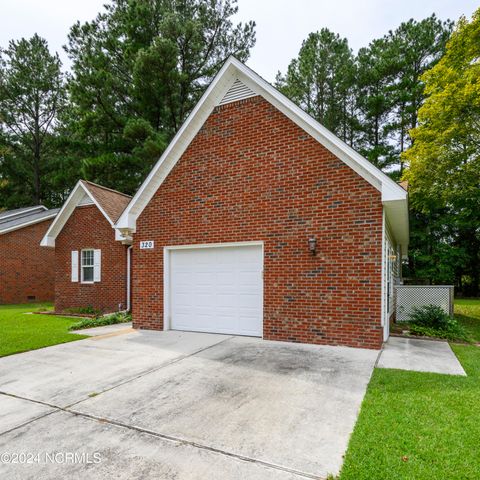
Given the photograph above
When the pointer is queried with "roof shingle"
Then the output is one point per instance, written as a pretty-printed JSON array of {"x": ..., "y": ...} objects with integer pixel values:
[{"x": 112, "y": 202}]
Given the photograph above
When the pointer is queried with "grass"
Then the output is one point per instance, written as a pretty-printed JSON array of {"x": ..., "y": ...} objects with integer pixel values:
[
  {"x": 467, "y": 312},
  {"x": 20, "y": 332},
  {"x": 421, "y": 426}
]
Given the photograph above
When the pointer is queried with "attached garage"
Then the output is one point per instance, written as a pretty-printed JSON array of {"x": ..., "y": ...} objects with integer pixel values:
[{"x": 215, "y": 288}]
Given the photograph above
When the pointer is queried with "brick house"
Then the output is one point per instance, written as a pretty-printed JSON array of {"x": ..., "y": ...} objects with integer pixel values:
[
  {"x": 26, "y": 270},
  {"x": 258, "y": 221},
  {"x": 90, "y": 264}
]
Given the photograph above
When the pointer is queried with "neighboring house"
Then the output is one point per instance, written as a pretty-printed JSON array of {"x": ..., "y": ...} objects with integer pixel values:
[
  {"x": 26, "y": 270},
  {"x": 90, "y": 265},
  {"x": 258, "y": 221}
]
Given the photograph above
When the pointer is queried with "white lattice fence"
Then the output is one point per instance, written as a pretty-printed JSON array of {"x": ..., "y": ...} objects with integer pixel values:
[{"x": 409, "y": 296}]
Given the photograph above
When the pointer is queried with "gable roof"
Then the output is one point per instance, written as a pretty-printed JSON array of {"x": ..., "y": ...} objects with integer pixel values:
[
  {"x": 110, "y": 203},
  {"x": 11, "y": 220},
  {"x": 227, "y": 84}
]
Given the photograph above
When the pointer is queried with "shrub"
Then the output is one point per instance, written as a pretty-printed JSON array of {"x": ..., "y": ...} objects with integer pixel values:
[
  {"x": 430, "y": 316},
  {"x": 432, "y": 321},
  {"x": 120, "y": 317},
  {"x": 454, "y": 332}
]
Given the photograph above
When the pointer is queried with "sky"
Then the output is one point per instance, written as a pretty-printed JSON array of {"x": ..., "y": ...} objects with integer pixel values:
[{"x": 282, "y": 25}]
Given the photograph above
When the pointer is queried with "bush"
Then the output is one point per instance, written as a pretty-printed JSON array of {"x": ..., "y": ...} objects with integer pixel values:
[
  {"x": 431, "y": 316},
  {"x": 432, "y": 321},
  {"x": 120, "y": 317},
  {"x": 454, "y": 332}
]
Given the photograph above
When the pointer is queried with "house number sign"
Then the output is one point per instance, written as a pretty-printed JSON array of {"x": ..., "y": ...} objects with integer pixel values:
[{"x": 147, "y": 244}]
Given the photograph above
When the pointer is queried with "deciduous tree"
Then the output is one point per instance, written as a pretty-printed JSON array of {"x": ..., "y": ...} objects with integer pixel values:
[{"x": 444, "y": 160}]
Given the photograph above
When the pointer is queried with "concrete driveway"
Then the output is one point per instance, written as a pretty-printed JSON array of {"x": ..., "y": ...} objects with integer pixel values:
[{"x": 179, "y": 405}]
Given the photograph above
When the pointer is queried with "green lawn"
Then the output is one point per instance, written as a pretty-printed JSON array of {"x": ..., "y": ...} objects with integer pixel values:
[
  {"x": 467, "y": 311},
  {"x": 20, "y": 332},
  {"x": 421, "y": 426}
]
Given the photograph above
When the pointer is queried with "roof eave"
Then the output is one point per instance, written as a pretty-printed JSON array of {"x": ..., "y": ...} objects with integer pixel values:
[
  {"x": 27, "y": 224},
  {"x": 396, "y": 212}
]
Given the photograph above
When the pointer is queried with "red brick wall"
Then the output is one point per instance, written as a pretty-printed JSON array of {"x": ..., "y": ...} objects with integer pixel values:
[
  {"x": 88, "y": 228},
  {"x": 26, "y": 269},
  {"x": 252, "y": 174}
]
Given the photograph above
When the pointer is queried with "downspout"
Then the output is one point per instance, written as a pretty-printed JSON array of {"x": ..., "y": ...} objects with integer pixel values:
[{"x": 129, "y": 276}]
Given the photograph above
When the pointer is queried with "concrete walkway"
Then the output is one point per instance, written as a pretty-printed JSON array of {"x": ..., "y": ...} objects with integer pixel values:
[{"x": 420, "y": 356}]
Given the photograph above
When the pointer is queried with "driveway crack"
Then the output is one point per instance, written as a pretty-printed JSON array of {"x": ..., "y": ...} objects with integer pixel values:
[{"x": 171, "y": 438}]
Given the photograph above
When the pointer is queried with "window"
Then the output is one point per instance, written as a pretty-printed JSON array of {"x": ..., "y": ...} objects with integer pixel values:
[{"x": 87, "y": 266}]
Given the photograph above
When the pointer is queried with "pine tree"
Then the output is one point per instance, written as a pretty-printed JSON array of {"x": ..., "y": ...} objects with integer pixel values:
[{"x": 32, "y": 93}]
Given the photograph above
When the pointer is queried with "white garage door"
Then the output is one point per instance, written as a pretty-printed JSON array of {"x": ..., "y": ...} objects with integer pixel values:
[{"x": 217, "y": 289}]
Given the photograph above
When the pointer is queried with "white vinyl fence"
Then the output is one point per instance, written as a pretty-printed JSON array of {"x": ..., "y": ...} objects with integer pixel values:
[{"x": 409, "y": 296}]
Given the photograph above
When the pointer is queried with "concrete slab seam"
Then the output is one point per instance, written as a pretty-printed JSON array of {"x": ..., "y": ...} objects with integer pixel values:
[{"x": 170, "y": 438}]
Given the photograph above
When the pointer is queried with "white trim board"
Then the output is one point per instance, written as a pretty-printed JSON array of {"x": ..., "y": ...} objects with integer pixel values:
[{"x": 394, "y": 197}]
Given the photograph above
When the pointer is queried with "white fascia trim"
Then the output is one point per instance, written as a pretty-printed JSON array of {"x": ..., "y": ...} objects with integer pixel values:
[
  {"x": 28, "y": 224},
  {"x": 231, "y": 70},
  {"x": 63, "y": 215}
]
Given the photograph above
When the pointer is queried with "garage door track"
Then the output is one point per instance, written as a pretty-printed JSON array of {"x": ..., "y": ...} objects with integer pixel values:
[{"x": 179, "y": 405}]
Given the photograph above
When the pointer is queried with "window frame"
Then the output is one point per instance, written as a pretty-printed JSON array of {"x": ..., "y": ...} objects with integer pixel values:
[{"x": 82, "y": 265}]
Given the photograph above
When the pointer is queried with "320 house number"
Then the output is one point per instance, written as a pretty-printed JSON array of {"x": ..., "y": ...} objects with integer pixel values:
[{"x": 146, "y": 244}]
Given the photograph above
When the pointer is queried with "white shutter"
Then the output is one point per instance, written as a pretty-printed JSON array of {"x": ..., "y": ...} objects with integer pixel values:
[
  {"x": 97, "y": 265},
  {"x": 74, "y": 265}
]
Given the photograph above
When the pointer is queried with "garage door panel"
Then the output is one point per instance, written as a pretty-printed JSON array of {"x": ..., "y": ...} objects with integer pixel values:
[
  {"x": 226, "y": 279},
  {"x": 217, "y": 289}
]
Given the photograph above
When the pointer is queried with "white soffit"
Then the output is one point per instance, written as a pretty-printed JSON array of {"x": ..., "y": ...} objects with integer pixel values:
[{"x": 86, "y": 200}]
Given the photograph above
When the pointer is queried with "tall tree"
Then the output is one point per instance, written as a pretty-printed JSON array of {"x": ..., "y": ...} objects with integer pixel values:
[
  {"x": 320, "y": 80},
  {"x": 31, "y": 94},
  {"x": 444, "y": 160},
  {"x": 414, "y": 47},
  {"x": 376, "y": 74},
  {"x": 390, "y": 89},
  {"x": 138, "y": 70}
]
